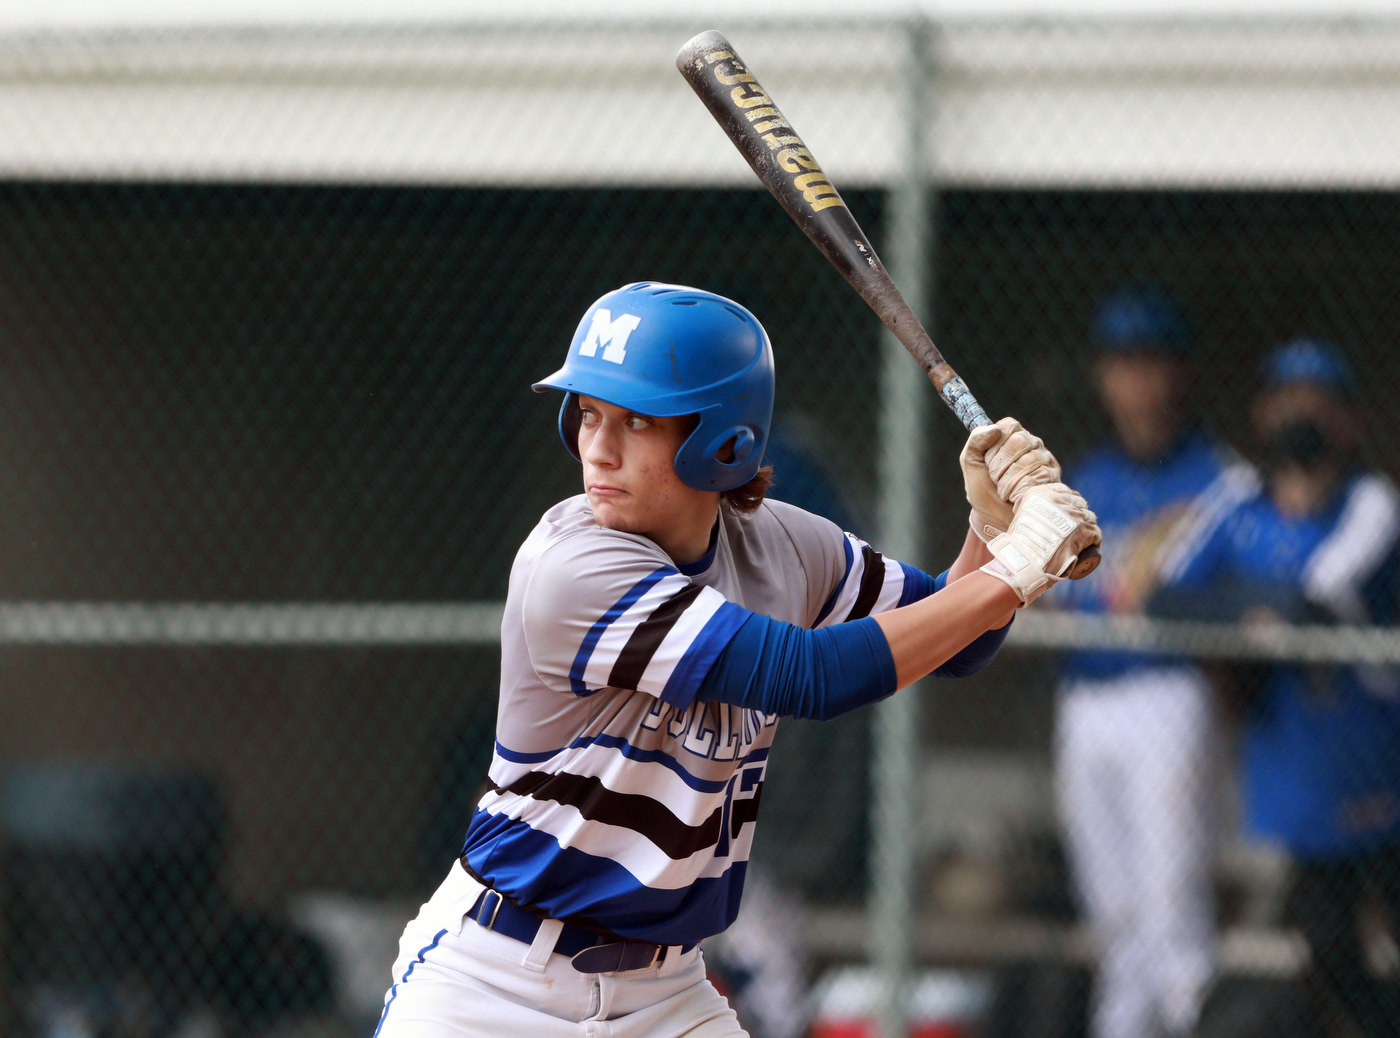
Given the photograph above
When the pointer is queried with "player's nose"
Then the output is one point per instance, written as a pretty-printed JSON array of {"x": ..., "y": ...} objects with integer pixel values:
[{"x": 599, "y": 444}]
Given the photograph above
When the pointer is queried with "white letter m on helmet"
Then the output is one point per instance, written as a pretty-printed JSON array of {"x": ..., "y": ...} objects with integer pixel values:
[{"x": 611, "y": 335}]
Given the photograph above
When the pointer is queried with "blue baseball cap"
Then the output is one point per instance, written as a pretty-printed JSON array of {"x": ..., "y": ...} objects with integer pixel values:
[
  {"x": 1141, "y": 320},
  {"x": 1311, "y": 361}
]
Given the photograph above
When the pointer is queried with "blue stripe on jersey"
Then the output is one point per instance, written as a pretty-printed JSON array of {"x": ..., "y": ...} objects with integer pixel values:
[
  {"x": 719, "y": 630},
  {"x": 567, "y": 883},
  {"x": 590, "y": 640},
  {"x": 918, "y": 585},
  {"x": 631, "y": 752},
  {"x": 517, "y": 757},
  {"x": 830, "y": 603}
]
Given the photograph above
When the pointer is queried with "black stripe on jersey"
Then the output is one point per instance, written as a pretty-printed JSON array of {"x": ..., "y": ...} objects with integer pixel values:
[
  {"x": 632, "y": 661},
  {"x": 871, "y": 581},
  {"x": 633, "y": 811}
]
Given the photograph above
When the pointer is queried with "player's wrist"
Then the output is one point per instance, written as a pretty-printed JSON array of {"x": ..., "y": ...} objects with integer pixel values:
[{"x": 999, "y": 570}]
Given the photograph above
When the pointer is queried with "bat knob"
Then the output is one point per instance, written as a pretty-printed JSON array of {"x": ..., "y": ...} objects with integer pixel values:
[{"x": 1086, "y": 563}]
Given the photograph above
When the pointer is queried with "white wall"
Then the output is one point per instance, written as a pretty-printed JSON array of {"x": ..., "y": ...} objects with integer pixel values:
[
  {"x": 30, "y": 14},
  {"x": 1111, "y": 101}
]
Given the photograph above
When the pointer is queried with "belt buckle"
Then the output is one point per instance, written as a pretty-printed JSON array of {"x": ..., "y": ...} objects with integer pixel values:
[{"x": 488, "y": 924}]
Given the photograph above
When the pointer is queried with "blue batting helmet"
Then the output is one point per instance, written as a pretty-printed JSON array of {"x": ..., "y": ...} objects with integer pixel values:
[
  {"x": 670, "y": 350},
  {"x": 1141, "y": 320},
  {"x": 1312, "y": 361}
]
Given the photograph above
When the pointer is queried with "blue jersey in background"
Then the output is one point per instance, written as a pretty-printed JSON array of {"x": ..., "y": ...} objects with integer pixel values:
[
  {"x": 1137, "y": 503},
  {"x": 1321, "y": 752}
]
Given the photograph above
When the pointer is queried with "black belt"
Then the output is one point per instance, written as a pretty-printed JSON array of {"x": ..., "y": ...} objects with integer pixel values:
[{"x": 589, "y": 952}]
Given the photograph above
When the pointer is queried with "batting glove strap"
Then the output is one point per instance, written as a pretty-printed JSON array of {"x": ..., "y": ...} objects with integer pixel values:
[
  {"x": 1029, "y": 555},
  {"x": 986, "y": 529}
]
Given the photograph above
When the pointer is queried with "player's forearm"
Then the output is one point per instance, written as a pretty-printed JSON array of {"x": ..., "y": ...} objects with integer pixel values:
[
  {"x": 974, "y": 556},
  {"x": 926, "y": 634}
]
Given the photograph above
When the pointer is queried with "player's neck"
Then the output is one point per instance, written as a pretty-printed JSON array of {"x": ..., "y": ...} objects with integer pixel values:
[{"x": 689, "y": 541}]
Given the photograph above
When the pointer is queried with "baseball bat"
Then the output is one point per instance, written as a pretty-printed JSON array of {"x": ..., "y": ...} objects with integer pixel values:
[{"x": 790, "y": 171}]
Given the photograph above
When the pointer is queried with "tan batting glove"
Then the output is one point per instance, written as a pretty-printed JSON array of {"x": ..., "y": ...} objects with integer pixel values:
[
  {"x": 1020, "y": 461},
  {"x": 978, "y": 481},
  {"x": 1001, "y": 462},
  {"x": 1050, "y": 526},
  {"x": 984, "y": 528}
]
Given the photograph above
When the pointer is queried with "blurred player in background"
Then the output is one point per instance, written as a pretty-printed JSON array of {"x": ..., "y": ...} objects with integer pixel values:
[
  {"x": 1317, "y": 541},
  {"x": 656, "y": 626},
  {"x": 1135, "y": 739}
]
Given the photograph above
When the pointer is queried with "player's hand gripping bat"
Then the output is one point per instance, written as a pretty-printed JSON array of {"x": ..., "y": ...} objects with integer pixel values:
[{"x": 790, "y": 171}]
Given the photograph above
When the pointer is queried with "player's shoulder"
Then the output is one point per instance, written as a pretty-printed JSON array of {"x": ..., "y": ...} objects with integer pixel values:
[
  {"x": 1374, "y": 496},
  {"x": 1196, "y": 457},
  {"x": 567, "y": 516},
  {"x": 1104, "y": 462},
  {"x": 1376, "y": 486},
  {"x": 805, "y": 531},
  {"x": 786, "y": 514},
  {"x": 1208, "y": 453},
  {"x": 567, "y": 537},
  {"x": 569, "y": 549}
]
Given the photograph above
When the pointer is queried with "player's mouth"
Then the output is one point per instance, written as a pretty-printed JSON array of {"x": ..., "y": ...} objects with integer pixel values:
[{"x": 605, "y": 490}]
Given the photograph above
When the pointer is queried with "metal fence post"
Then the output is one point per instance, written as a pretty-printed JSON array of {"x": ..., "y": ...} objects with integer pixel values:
[{"x": 906, "y": 400}]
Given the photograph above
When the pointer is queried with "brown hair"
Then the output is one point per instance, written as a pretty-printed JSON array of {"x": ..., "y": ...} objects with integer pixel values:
[{"x": 746, "y": 499}]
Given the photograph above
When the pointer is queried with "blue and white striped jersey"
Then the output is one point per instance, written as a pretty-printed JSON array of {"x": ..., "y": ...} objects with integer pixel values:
[{"x": 616, "y": 799}]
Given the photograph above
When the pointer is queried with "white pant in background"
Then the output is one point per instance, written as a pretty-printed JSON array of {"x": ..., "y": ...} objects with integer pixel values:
[
  {"x": 454, "y": 979},
  {"x": 1136, "y": 765}
]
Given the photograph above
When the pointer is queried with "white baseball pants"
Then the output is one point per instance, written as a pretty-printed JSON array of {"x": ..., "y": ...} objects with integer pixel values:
[
  {"x": 1136, "y": 765},
  {"x": 454, "y": 979}
]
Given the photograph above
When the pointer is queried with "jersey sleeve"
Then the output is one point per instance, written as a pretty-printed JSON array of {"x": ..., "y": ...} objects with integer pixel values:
[
  {"x": 608, "y": 610},
  {"x": 863, "y": 582},
  {"x": 1342, "y": 574},
  {"x": 1199, "y": 546},
  {"x": 847, "y": 579}
]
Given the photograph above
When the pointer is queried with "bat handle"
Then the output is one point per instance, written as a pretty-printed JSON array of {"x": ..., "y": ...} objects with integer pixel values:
[{"x": 960, "y": 400}]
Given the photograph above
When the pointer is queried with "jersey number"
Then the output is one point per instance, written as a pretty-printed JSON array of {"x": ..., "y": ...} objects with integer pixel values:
[{"x": 741, "y": 797}]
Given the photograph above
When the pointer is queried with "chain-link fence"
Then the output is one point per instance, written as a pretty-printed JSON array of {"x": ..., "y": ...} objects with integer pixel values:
[{"x": 271, "y": 300}]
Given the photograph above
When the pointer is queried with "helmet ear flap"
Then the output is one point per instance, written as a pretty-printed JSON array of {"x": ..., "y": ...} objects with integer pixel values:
[
  {"x": 733, "y": 446},
  {"x": 723, "y": 459},
  {"x": 745, "y": 443},
  {"x": 570, "y": 418}
]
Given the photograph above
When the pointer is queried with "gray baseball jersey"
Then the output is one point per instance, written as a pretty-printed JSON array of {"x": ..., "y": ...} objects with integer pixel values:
[{"x": 618, "y": 800}]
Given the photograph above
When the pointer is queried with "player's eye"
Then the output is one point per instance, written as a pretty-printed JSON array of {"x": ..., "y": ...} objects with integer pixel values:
[
  {"x": 637, "y": 422},
  {"x": 587, "y": 416}
]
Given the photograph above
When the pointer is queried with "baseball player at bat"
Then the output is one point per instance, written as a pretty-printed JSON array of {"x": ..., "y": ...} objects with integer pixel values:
[{"x": 656, "y": 628}]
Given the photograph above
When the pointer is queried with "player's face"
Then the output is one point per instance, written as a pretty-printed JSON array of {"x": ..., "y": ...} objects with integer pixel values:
[
  {"x": 1305, "y": 434},
  {"x": 1140, "y": 391},
  {"x": 630, "y": 478}
]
